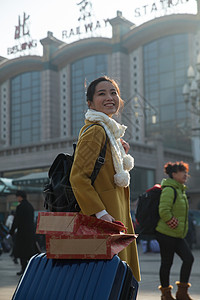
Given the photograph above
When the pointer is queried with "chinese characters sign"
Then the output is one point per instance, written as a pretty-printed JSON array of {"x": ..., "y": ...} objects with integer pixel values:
[
  {"x": 87, "y": 22},
  {"x": 22, "y": 36},
  {"x": 22, "y": 29}
]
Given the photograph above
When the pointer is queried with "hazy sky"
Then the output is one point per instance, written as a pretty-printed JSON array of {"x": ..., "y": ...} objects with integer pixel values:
[{"x": 60, "y": 15}]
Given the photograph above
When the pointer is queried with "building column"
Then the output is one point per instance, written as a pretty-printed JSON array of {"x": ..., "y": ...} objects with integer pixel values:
[{"x": 158, "y": 141}]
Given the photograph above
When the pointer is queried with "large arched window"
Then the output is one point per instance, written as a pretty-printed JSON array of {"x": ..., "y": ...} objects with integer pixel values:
[
  {"x": 82, "y": 73},
  {"x": 25, "y": 109},
  {"x": 165, "y": 65}
]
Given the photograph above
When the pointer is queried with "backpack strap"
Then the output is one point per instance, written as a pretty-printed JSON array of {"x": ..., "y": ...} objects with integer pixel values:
[
  {"x": 175, "y": 192},
  {"x": 101, "y": 158}
]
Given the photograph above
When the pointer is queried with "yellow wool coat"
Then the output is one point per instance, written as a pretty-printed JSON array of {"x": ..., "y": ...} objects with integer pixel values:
[{"x": 104, "y": 194}]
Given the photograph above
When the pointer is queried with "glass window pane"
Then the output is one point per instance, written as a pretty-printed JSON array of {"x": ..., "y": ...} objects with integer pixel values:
[
  {"x": 167, "y": 112},
  {"x": 166, "y": 96},
  {"x": 170, "y": 67},
  {"x": 26, "y": 123},
  {"x": 26, "y": 138},
  {"x": 26, "y": 95},
  {"x": 25, "y": 108},
  {"x": 26, "y": 80},
  {"x": 141, "y": 180},
  {"x": 87, "y": 69}
]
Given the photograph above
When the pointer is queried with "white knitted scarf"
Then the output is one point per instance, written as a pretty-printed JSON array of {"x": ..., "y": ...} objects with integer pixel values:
[{"x": 123, "y": 163}]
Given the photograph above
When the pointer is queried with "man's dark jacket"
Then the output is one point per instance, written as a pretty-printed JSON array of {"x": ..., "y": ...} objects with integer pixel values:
[{"x": 25, "y": 237}]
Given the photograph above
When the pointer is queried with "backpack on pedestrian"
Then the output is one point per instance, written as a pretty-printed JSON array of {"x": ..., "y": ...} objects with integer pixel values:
[
  {"x": 147, "y": 211},
  {"x": 59, "y": 196}
]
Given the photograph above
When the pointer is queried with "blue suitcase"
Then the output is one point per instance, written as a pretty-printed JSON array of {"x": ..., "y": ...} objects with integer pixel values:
[{"x": 60, "y": 279}]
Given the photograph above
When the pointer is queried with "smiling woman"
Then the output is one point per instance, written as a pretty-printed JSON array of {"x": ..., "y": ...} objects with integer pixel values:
[
  {"x": 105, "y": 97},
  {"x": 109, "y": 197}
]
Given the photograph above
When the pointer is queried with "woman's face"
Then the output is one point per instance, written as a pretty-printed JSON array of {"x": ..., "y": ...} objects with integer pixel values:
[
  {"x": 105, "y": 99},
  {"x": 180, "y": 176}
]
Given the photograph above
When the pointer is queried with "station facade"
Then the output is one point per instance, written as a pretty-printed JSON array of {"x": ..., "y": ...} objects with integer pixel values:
[{"x": 42, "y": 100}]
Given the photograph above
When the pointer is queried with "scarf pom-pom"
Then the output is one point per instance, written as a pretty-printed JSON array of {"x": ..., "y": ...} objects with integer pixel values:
[
  {"x": 122, "y": 179},
  {"x": 128, "y": 162}
]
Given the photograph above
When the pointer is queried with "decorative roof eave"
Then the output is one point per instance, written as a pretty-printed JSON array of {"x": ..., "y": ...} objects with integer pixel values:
[
  {"x": 3, "y": 59},
  {"x": 159, "y": 27},
  {"x": 13, "y": 67},
  {"x": 33, "y": 179},
  {"x": 8, "y": 187},
  {"x": 119, "y": 19},
  {"x": 85, "y": 47},
  {"x": 51, "y": 40}
]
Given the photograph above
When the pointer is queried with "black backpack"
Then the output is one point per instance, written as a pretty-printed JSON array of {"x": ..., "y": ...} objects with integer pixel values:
[
  {"x": 59, "y": 196},
  {"x": 147, "y": 212}
]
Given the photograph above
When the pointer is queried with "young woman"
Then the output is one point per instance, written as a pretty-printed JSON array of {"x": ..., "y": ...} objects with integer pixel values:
[
  {"x": 109, "y": 197},
  {"x": 172, "y": 229}
]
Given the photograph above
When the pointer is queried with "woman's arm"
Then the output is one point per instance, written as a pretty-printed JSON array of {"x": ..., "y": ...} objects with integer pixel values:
[
  {"x": 86, "y": 154},
  {"x": 165, "y": 207}
]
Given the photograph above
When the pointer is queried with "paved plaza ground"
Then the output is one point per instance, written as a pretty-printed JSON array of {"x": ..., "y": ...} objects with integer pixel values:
[{"x": 149, "y": 263}]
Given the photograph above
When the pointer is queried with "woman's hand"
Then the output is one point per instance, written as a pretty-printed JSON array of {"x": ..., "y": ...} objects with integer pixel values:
[
  {"x": 173, "y": 223},
  {"x": 125, "y": 145},
  {"x": 107, "y": 217}
]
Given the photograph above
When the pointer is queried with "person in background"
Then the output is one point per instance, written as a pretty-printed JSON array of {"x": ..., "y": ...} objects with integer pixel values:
[
  {"x": 9, "y": 222},
  {"x": 172, "y": 229},
  {"x": 24, "y": 246},
  {"x": 191, "y": 234},
  {"x": 109, "y": 198},
  {"x": 10, "y": 219}
]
